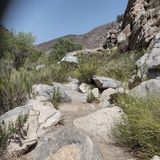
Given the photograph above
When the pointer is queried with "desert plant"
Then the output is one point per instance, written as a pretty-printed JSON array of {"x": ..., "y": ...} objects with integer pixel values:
[
  {"x": 63, "y": 46},
  {"x": 8, "y": 132},
  {"x": 56, "y": 97},
  {"x": 141, "y": 127},
  {"x": 87, "y": 68}
]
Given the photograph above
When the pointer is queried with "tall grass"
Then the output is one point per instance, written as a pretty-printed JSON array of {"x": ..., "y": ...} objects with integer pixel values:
[{"x": 141, "y": 128}]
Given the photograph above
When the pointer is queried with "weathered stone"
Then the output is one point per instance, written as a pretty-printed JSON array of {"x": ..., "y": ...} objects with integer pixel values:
[
  {"x": 70, "y": 59},
  {"x": 41, "y": 116},
  {"x": 105, "y": 82},
  {"x": 95, "y": 92},
  {"x": 156, "y": 158},
  {"x": 54, "y": 141},
  {"x": 83, "y": 88},
  {"x": 101, "y": 122},
  {"x": 150, "y": 87}
]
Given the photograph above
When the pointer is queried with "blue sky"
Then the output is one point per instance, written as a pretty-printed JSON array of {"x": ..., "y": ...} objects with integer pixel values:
[{"x": 49, "y": 19}]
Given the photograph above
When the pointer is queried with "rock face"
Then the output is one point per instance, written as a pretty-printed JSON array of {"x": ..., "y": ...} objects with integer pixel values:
[
  {"x": 143, "y": 21},
  {"x": 60, "y": 141},
  {"x": 101, "y": 122},
  {"x": 151, "y": 87},
  {"x": 41, "y": 116},
  {"x": 105, "y": 82},
  {"x": 148, "y": 66}
]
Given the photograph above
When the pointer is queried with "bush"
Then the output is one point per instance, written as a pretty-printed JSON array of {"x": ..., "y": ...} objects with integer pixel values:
[
  {"x": 14, "y": 88},
  {"x": 14, "y": 129},
  {"x": 87, "y": 68},
  {"x": 62, "y": 47},
  {"x": 141, "y": 129},
  {"x": 56, "y": 97}
]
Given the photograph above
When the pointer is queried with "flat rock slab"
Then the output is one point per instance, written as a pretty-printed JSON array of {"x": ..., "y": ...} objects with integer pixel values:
[
  {"x": 55, "y": 142},
  {"x": 105, "y": 82},
  {"x": 100, "y": 123}
]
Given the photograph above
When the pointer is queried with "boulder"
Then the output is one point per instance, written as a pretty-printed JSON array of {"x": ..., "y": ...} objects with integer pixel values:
[
  {"x": 101, "y": 122},
  {"x": 65, "y": 139},
  {"x": 41, "y": 116},
  {"x": 105, "y": 82},
  {"x": 84, "y": 88},
  {"x": 72, "y": 83},
  {"x": 150, "y": 87},
  {"x": 156, "y": 158},
  {"x": 106, "y": 98},
  {"x": 46, "y": 91},
  {"x": 71, "y": 59},
  {"x": 70, "y": 94},
  {"x": 95, "y": 92}
]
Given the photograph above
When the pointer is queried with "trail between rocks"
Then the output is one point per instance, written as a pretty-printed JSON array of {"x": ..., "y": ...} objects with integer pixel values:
[{"x": 109, "y": 151}]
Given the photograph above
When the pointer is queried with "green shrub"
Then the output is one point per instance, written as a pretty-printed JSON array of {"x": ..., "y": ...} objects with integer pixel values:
[
  {"x": 14, "y": 88},
  {"x": 56, "y": 97},
  {"x": 141, "y": 129},
  {"x": 87, "y": 68},
  {"x": 8, "y": 132},
  {"x": 62, "y": 47}
]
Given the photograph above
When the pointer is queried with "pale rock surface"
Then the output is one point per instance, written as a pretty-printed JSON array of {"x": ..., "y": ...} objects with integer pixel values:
[
  {"x": 95, "y": 92},
  {"x": 101, "y": 122},
  {"x": 105, "y": 82},
  {"x": 156, "y": 158}
]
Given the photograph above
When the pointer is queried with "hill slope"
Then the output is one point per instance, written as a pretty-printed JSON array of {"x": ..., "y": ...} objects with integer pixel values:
[{"x": 92, "y": 39}]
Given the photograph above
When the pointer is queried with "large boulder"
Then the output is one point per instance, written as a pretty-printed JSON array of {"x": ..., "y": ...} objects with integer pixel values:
[
  {"x": 101, "y": 122},
  {"x": 105, "y": 82},
  {"x": 156, "y": 158},
  {"x": 72, "y": 95},
  {"x": 42, "y": 90},
  {"x": 41, "y": 116},
  {"x": 64, "y": 141},
  {"x": 150, "y": 87},
  {"x": 149, "y": 64}
]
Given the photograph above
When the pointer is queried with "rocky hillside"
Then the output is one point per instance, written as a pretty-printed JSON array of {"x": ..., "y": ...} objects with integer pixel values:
[
  {"x": 142, "y": 23},
  {"x": 90, "y": 40}
]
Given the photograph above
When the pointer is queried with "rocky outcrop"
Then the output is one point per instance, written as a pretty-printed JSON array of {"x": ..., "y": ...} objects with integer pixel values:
[
  {"x": 156, "y": 158},
  {"x": 148, "y": 66},
  {"x": 70, "y": 59},
  {"x": 41, "y": 116},
  {"x": 143, "y": 22},
  {"x": 101, "y": 122},
  {"x": 52, "y": 143}
]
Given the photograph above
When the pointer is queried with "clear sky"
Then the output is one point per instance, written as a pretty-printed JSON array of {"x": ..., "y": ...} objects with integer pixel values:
[{"x": 49, "y": 19}]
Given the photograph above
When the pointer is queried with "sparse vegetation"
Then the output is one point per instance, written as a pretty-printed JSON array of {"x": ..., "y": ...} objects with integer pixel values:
[
  {"x": 90, "y": 97},
  {"x": 141, "y": 128},
  {"x": 8, "y": 132},
  {"x": 62, "y": 47},
  {"x": 56, "y": 97}
]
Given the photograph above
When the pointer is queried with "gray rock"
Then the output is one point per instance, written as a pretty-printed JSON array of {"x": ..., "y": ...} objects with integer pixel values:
[
  {"x": 41, "y": 116},
  {"x": 156, "y": 158},
  {"x": 70, "y": 59},
  {"x": 72, "y": 95},
  {"x": 52, "y": 142},
  {"x": 101, "y": 122},
  {"x": 105, "y": 82},
  {"x": 150, "y": 87}
]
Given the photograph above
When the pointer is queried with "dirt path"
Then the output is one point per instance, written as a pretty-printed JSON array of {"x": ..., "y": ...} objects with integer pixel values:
[{"x": 75, "y": 110}]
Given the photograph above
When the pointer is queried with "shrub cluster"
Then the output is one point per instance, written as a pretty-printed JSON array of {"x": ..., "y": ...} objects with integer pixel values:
[{"x": 141, "y": 127}]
